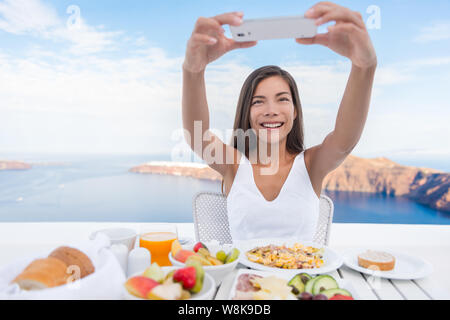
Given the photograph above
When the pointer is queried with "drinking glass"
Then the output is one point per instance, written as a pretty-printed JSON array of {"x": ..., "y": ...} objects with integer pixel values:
[{"x": 158, "y": 240}]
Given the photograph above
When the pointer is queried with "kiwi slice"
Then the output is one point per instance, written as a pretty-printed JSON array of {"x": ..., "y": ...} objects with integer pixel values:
[{"x": 232, "y": 256}]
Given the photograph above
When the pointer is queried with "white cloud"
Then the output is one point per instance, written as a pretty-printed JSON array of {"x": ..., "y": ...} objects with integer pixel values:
[
  {"x": 390, "y": 75},
  {"x": 54, "y": 101},
  {"x": 437, "y": 31},
  {"x": 320, "y": 84},
  {"x": 429, "y": 62},
  {"x": 27, "y": 16},
  {"x": 35, "y": 18},
  {"x": 406, "y": 130},
  {"x": 87, "y": 39},
  {"x": 133, "y": 104}
]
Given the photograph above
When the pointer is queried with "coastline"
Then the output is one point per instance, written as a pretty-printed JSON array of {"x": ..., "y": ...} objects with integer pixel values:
[
  {"x": 14, "y": 165},
  {"x": 426, "y": 186}
]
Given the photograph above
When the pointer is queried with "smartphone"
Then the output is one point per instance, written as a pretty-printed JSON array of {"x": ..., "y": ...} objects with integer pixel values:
[{"x": 291, "y": 27}]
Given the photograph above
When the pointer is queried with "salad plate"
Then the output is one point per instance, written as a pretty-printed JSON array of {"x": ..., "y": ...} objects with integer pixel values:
[{"x": 237, "y": 285}]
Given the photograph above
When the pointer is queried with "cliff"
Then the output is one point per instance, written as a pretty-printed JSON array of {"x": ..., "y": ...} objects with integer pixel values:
[
  {"x": 14, "y": 165},
  {"x": 426, "y": 186}
]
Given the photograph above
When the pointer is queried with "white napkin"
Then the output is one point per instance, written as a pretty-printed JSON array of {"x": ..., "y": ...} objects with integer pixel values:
[{"x": 106, "y": 283}]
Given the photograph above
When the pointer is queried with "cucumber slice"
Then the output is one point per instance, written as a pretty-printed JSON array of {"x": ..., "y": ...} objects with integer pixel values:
[
  {"x": 332, "y": 292},
  {"x": 297, "y": 285},
  {"x": 324, "y": 282},
  {"x": 305, "y": 277},
  {"x": 309, "y": 285}
]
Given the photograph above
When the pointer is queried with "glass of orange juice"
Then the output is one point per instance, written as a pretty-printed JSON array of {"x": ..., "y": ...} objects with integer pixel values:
[{"x": 158, "y": 240}]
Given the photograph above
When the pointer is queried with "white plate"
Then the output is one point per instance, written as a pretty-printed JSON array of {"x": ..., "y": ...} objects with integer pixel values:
[
  {"x": 332, "y": 260},
  {"x": 406, "y": 267},
  {"x": 343, "y": 284}
]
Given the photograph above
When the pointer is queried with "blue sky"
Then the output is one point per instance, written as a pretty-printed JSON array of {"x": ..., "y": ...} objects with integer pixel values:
[
  {"x": 167, "y": 24},
  {"x": 114, "y": 84}
]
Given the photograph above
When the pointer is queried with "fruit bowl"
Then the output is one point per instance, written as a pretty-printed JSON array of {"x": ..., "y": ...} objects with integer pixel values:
[
  {"x": 206, "y": 293},
  {"x": 219, "y": 272}
]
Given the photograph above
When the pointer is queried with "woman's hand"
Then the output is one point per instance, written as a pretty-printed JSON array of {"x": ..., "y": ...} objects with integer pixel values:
[
  {"x": 208, "y": 42},
  {"x": 348, "y": 37}
]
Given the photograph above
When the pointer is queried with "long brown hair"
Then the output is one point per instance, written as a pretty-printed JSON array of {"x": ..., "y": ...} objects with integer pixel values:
[{"x": 295, "y": 138}]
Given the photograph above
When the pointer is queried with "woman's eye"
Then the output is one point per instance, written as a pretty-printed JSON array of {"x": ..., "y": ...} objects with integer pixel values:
[
  {"x": 284, "y": 99},
  {"x": 256, "y": 101}
]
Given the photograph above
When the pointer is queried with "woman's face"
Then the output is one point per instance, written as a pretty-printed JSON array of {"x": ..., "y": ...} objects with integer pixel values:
[{"x": 272, "y": 111}]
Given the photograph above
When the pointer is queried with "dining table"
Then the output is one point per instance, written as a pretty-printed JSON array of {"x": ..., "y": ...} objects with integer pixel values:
[{"x": 428, "y": 242}]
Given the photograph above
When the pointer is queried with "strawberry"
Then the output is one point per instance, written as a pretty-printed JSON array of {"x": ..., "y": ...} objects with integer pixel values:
[
  {"x": 199, "y": 245},
  {"x": 186, "y": 276},
  {"x": 341, "y": 297}
]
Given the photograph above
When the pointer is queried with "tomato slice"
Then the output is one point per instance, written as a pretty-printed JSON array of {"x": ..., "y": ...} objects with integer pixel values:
[{"x": 341, "y": 297}]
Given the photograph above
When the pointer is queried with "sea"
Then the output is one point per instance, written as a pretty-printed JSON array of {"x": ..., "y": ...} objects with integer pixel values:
[{"x": 100, "y": 188}]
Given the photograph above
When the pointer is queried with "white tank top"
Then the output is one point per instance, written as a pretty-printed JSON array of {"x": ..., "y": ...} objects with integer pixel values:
[{"x": 293, "y": 214}]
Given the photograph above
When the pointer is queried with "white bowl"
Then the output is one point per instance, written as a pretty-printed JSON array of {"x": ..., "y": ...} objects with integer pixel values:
[
  {"x": 207, "y": 292},
  {"x": 217, "y": 272},
  {"x": 118, "y": 236}
]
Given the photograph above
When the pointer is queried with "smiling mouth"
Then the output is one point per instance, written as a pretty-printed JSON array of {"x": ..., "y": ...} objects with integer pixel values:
[{"x": 272, "y": 125}]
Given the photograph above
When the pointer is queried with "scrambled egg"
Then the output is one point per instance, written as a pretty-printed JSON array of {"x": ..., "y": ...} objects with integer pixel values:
[{"x": 296, "y": 257}]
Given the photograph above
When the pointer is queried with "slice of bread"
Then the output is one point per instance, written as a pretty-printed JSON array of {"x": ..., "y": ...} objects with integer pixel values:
[
  {"x": 376, "y": 260},
  {"x": 74, "y": 257},
  {"x": 42, "y": 274}
]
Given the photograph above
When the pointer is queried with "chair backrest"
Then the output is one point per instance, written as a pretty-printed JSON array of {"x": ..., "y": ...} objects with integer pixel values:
[{"x": 211, "y": 219}]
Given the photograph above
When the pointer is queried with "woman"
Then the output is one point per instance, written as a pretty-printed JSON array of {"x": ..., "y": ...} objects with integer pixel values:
[{"x": 285, "y": 201}]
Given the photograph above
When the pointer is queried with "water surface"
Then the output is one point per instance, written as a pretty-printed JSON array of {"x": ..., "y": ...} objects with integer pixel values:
[{"x": 100, "y": 189}]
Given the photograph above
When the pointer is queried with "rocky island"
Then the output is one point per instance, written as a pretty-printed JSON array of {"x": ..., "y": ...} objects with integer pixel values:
[
  {"x": 185, "y": 169},
  {"x": 14, "y": 165},
  {"x": 380, "y": 175}
]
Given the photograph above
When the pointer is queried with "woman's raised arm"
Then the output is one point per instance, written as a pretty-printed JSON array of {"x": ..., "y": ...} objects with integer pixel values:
[
  {"x": 349, "y": 38},
  {"x": 207, "y": 44}
]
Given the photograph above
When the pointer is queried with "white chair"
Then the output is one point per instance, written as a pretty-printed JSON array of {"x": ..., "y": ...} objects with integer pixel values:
[{"x": 211, "y": 220}]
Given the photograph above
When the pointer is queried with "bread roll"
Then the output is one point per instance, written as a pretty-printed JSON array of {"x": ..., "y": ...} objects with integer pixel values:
[
  {"x": 376, "y": 260},
  {"x": 74, "y": 257},
  {"x": 42, "y": 274}
]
